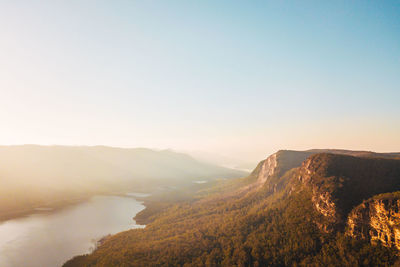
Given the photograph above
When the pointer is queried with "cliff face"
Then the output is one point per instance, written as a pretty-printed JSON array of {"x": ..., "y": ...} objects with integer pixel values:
[
  {"x": 282, "y": 161},
  {"x": 339, "y": 183},
  {"x": 268, "y": 168},
  {"x": 377, "y": 219},
  {"x": 313, "y": 173},
  {"x": 279, "y": 163},
  {"x": 296, "y": 197}
]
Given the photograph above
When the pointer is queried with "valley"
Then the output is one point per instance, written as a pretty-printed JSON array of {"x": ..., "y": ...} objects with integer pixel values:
[
  {"x": 297, "y": 208},
  {"x": 52, "y": 177}
]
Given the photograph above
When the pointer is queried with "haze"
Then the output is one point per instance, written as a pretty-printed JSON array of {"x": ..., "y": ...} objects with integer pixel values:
[{"x": 235, "y": 79}]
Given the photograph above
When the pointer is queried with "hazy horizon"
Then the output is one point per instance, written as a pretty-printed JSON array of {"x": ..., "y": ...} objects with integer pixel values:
[
  {"x": 239, "y": 80},
  {"x": 205, "y": 156},
  {"x": 199, "y": 133}
]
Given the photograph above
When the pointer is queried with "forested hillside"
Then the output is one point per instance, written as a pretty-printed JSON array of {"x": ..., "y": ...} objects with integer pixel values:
[{"x": 297, "y": 216}]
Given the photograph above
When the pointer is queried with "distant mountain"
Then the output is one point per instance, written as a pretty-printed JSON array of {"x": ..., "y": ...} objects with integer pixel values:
[
  {"x": 297, "y": 208},
  {"x": 226, "y": 161},
  {"x": 32, "y": 175}
]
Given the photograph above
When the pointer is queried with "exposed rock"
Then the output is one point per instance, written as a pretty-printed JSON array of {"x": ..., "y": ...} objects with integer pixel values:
[
  {"x": 277, "y": 164},
  {"x": 282, "y": 161},
  {"x": 377, "y": 219},
  {"x": 324, "y": 204},
  {"x": 340, "y": 182},
  {"x": 268, "y": 168}
]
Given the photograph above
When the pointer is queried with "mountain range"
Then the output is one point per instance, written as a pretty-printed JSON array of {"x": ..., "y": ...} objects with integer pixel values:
[
  {"x": 33, "y": 176},
  {"x": 297, "y": 208}
]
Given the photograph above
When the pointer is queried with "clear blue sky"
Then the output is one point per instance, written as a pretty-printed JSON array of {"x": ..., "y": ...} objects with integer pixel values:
[{"x": 239, "y": 78}]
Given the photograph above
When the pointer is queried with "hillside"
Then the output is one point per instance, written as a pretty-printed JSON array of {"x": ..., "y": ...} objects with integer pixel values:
[
  {"x": 298, "y": 208},
  {"x": 33, "y": 176},
  {"x": 293, "y": 212}
]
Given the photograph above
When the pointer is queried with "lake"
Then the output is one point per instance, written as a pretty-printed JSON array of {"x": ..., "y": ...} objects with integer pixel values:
[{"x": 50, "y": 239}]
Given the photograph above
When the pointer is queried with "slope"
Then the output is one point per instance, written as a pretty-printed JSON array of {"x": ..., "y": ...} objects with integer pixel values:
[
  {"x": 296, "y": 217},
  {"x": 32, "y": 176}
]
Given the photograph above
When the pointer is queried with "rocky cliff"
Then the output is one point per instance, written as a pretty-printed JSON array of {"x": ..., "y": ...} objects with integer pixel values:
[
  {"x": 270, "y": 170},
  {"x": 277, "y": 164},
  {"x": 377, "y": 219},
  {"x": 297, "y": 208},
  {"x": 341, "y": 182},
  {"x": 339, "y": 186}
]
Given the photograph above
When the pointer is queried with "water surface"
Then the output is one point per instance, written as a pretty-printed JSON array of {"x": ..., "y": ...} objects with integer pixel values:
[{"x": 50, "y": 239}]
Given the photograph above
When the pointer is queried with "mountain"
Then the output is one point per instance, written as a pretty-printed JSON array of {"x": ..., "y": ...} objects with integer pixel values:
[
  {"x": 297, "y": 208},
  {"x": 35, "y": 176},
  {"x": 221, "y": 160}
]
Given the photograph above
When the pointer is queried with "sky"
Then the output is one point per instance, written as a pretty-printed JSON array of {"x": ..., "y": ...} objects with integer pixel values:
[{"x": 235, "y": 78}]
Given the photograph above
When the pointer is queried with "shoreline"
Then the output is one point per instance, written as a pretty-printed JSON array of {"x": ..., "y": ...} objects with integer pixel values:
[
  {"x": 97, "y": 207},
  {"x": 42, "y": 209},
  {"x": 57, "y": 205},
  {"x": 100, "y": 241}
]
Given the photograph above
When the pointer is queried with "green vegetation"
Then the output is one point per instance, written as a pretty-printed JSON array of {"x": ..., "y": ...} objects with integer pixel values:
[
  {"x": 269, "y": 226},
  {"x": 245, "y": 232}
]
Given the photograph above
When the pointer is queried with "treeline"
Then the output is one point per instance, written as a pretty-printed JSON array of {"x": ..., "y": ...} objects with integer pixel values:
[{"x": 253, "y": 230}]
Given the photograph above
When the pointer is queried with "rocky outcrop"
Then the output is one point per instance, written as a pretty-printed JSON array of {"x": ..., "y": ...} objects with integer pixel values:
[
  {"x": 340, "y": 182},
  {"x": 268, "y": 168},
  {"x": 313, "y": 174},
  {"x": 279, "y": 163},
  {"x": 377, "y": 220}
]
